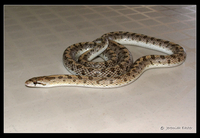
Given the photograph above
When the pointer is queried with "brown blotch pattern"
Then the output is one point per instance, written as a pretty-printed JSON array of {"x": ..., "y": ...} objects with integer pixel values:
[
  {"x": 79, "y": 66},
  {"x": 112, "y": 69},
  {"x": 60, "y": 77},
  {"x": 162, "y": 57},
  {"x": 90, "y": 69},
  {"x": 50, "y": 78},
  {"x": 79, "y": 77},
  {"x": 152, "y": 56},
  {"x": 90, "y": 78},
  {"x": 122, "y": 69}
]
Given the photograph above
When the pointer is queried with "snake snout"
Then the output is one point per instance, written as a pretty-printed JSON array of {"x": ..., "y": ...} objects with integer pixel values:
[{"x": 29, "y": 83}]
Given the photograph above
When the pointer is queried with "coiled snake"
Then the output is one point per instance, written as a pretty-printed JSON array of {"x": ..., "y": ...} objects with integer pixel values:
[{"x": 118, "y": 68}]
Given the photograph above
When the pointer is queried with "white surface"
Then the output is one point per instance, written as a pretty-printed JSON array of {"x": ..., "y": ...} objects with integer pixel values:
[{"x": 161, "y": 100}]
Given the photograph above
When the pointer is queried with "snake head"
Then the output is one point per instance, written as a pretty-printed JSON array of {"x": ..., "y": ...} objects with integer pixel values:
[{"x": 34, "y": 82}]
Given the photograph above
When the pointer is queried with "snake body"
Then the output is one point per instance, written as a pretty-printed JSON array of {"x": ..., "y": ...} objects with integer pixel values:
[{"x": 118, "y": 68}]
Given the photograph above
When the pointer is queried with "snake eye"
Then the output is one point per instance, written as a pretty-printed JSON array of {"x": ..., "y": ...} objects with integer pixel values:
[
  {"x": 35, "y": 82},
  {"x": 38, "y": 83}
]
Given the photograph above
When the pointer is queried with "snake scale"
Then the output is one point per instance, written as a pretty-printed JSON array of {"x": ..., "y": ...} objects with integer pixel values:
[{"x": 118, "y": 68}]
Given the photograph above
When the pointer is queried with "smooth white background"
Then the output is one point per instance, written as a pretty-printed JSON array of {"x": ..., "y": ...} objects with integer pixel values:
[{"x": 161, "y": 100}]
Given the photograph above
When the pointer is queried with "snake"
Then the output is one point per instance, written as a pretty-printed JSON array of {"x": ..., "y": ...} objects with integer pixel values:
[{"x": 117, "y": 68}]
